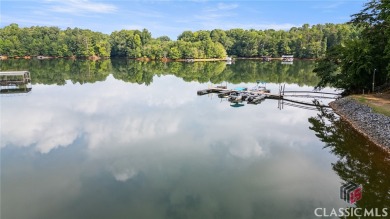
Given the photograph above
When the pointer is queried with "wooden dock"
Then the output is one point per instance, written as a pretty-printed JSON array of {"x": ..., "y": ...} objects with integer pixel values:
[
  {"x": 257, "y": 96},
  {"x": 223, "y": 92}
]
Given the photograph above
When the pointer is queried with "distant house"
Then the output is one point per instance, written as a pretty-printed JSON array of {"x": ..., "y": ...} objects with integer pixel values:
[
  {"x": 229, "y": 60},
  {"x": 287, "y": 58},
  {"x": 42, "y": 57},
  {"x": 266, "y": 58}
]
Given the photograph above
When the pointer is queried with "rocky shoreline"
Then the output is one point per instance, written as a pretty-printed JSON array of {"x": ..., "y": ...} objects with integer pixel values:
[{"x": 376, "y": 127}]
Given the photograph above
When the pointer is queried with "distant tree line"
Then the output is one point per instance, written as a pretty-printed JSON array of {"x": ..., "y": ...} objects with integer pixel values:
[
  {"x": 59, "y": 71},
  {"x": 360, "y": 63},
  {"x": 51, "y": 41},
  {"x": 302, "y": 42}
]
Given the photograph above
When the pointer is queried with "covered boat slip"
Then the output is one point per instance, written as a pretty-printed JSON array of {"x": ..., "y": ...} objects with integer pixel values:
[
  {"x": 15, "y": 82},
  {"x": 14, "y": 78}
]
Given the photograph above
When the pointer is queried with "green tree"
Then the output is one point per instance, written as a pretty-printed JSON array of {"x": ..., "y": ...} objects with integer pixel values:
[
  {"x": 163, "y": 39},
  {"x": 187, "y": 36},
  {"x": 347, "y": 67},
  {"x": 174, "y": 53},
  {"x": 352, "y": 64}
]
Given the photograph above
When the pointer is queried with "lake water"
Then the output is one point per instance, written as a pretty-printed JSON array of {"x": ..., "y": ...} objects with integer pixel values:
[{"x": 126, "y": 139}]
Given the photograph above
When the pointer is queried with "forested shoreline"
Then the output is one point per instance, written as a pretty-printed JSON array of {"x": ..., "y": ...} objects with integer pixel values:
[{"x": 302, "y": 42}]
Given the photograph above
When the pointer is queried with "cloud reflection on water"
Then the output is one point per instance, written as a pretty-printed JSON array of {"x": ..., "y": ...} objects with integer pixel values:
[
  {"x": 50, "y": 118},
  {"x": 170, "y": 149}
]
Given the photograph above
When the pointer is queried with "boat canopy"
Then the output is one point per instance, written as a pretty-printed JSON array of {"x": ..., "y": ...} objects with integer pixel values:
[{"x": 240, "y": 88}]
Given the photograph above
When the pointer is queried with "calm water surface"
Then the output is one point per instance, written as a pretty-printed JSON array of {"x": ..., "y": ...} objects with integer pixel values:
[{"x": 125, "y": 139}]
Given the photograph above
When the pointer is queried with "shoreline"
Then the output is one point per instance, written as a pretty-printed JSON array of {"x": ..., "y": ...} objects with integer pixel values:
[
  {"x": 375, "y": 127},
  {"x": 94, "y": 58}
]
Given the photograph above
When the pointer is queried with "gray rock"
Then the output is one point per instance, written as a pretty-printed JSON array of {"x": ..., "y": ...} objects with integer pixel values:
[{"x": 375, "y": 126}]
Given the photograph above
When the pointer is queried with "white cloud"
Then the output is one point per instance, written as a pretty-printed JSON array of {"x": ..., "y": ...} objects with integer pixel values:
[
  {"x": 223, "y": 16},
  {"x": 212, "y": 16},
  {"x": 275, "y": 26},
  {"x": 223, "y": 6},
  {"x": 330, "y": 5},
  {"x": 124, "y": 175},
  {"x": 38, "y": 19},
  {"x": 208, "y": 23},
  {"x": 131, "y": 27},
  {"x": 80, "y": 7},
  {"x": 246, "y": 148},
  {"x": 218, "y": 13},
  {"x": 148, "y": 14}
]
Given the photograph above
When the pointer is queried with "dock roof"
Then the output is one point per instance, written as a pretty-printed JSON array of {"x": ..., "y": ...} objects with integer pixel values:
[{"x": 13, "y": 73}]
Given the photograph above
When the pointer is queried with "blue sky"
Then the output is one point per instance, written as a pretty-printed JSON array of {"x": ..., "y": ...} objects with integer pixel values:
[{"x": 172, "y": 17}]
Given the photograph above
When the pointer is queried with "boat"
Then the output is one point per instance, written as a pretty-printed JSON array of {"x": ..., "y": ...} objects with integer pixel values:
[
  {"x": 240, "y": 89},
  {"x": 224, "y": 94},
  {"x": 256, "y": 99},
  {"x": 235, "y": 97},
  {"x": 237, "y": 105},
  {"x": 260, "y": 87}
]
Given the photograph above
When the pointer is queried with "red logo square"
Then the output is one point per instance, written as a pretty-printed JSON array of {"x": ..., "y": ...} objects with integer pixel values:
[{"x": 355, "y": 195}]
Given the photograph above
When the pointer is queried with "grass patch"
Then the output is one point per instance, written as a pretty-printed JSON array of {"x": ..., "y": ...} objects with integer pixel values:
[
  {"x": 376, "y": 104},
  {"x": 380, "y": 110},
  {"x": 361, "y": 99}
]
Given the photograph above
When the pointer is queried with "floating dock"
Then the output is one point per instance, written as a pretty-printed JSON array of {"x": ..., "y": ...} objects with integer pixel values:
[
  {"x": 256, "y": 96},
  {"x": 224, "y": 92}
]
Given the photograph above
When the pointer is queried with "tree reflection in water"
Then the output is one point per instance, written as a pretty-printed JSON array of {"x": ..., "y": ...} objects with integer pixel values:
[
  {"x": 58, "y": 71},
  {"x": 359, "y": 160}
]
